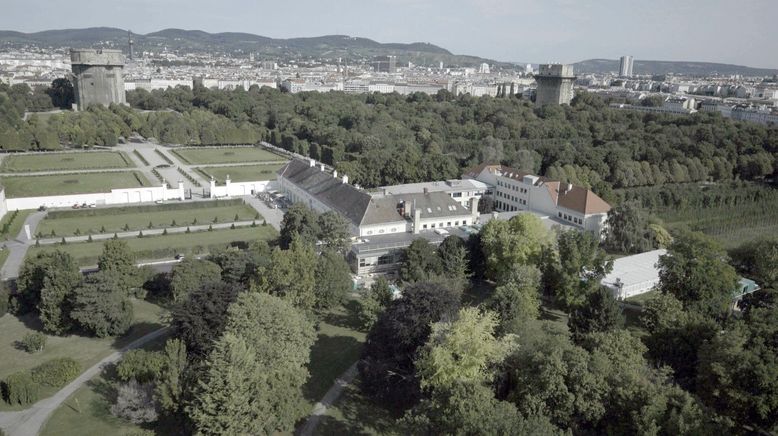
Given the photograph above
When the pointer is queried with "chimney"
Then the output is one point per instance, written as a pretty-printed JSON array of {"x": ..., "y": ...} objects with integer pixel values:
[
  {"x": 335, "y": 174},
  {"x": 569, "y": 188},
  {"x": 426, "y": 191},
  {"x": 312, "y": 163},
  {"x": 416, "y": 220},
  {"x": 345, "y": 178},
  {"x": 322, "y": 167}
]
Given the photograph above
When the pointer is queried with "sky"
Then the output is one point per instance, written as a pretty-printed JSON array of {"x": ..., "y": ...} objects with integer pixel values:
[{"x": 538, "y": 31}]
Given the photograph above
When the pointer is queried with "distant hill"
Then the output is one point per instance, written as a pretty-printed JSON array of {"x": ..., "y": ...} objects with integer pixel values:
[
  {"x": 640, "y": 67},
  {"x": 351, "y": 49}
]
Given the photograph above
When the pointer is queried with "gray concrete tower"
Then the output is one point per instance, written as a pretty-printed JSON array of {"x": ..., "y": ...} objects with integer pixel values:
[
  {"x": 98, "y": 77},
  {"x": 555, "y": 84}
]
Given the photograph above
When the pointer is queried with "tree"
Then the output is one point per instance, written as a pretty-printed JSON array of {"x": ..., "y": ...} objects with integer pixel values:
[
  {"x": 334, "y": 231},
  {"x": 420, "y": 262},
  {"x": 600, "y": 313},
  {"x": 61, "y": 93},
  {"x": 189, "y": 274},
  {"x": 200, "y": 319},
  {"x": 453, "y": 257},
  {"x": 236, "y": 265},
  {"x": 118, "y": 261},
  {"x": 373, "y": 302},
  {"x": 135, "y": 402},
  {"x": 301, "y": 221},
  {"x": 518, "y": 298},
  {"x": 333, "y": 279},
  {"x": 759, "y": 261},
  {"x": 282, "y": 337},
  {"x": 172, "y": 379},
  {"x": 140, "y": 365},
  {"x": 224, "y": 400},
  {"x": 101, "y": 306},
  {"x": 292, "y": 275},
  {"x": 515, "y": 242},
  {"x": 45, "y": 283},
  {"x": 461, "y": 351},
  {"x": 738, "y": 370},
  {"x": 628, "y": 229},
  {"x": 696, "y": 272},
  {"x": 387, "y": 364},
  {"x": 578, "y": 270}
]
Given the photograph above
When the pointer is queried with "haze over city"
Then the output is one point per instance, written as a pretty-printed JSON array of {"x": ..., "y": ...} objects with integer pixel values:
[{"x": 725, "y": 31}]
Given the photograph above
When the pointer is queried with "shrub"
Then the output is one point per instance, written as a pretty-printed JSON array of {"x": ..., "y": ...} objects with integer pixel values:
[
  {"x": 140, "y": 234},
  {"x": 187, "y": 230},
  {"x": 141, "y": 365},
  {"x": 20, "y": 389},
  {"x": 237, "y": 218},
  {"x": 173, "y": 224},
  {"x": 164, "y": 232},
  {"x": 4, "y": 300},
  {"x": 210, "y": 227},
  {"x": 135, "y": 403},
  {"x": 102, "y": 229},
  {"x": 33, "y": 342},
  {"x": 126, "y": 227},
  {"x": 63, "y": 242},
  {"x": 89, "y": 239},
  {"x": 194, "y": 221},
  {"x": 56, "y": 372},
  {"x": 151, "y": 225},
  {"x": 232, "y": 226}
]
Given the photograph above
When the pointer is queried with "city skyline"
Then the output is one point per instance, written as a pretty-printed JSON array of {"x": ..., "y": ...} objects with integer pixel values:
[{"x": 563, "y": 31}]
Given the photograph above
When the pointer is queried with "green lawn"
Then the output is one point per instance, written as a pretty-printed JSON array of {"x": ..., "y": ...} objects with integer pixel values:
[
  {"x": 65, "y": 161},
  {"x": 219, "y": 155},
  {"x": 242, "y": 173},
  {"x": 87, "y": 412},
  {"x": 16, "y": 223},
  {"x": 86, "y": 350},
  {"x": 642, "y": 298},
  {"x": 159, "y": 247},
  {"x": 64, "y": 184},
  {"x": 139, "y": 220}
]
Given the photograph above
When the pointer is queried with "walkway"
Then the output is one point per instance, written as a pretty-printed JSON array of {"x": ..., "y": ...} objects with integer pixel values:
[
  {"x": 328, "y": 400},
  {"x": 18, "y": 247},
  {"x": 272, "y": 216},
  {"x": 30, "y": 421}
]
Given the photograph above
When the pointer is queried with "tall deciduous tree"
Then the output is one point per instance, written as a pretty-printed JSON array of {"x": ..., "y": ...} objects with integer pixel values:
[
  {"x": 333, "y": 279},
  {"x": 101, "y": 306},
  {"x": 420, "y": 262},
  {"x": 600, "y": 313},
  {"x": 200, "y": 319},
  {"x": 628, "y": 229},
  {"x": 271, "y": 349},
  {"x": 334, "y": 231},
  {"x": 518, "y": 241},
  {"x": 173, "y": 378},
  {"x": 696, "y": 272},
  {"x": 301, "y": 221},
  {"x": 292, "y": 274},
  {"x": 189, "y": 275},
  {"x": 453, "y": 257},
  {"x": 387, "y": 368},
  {"x": 517, "y": 298},
  {"x": 47, "y": 281},
  {"x": 118, "y": 261}
]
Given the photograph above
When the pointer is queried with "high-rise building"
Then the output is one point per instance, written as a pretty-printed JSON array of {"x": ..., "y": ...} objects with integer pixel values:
[
  {"x": 98, "y": 77},
  {"x": 483, "y": 68},
  {"x": 131, "y": 43},
  {"x": 555, "y": 84},
  {"x": 385, "y": 64},
  {"x": 625, "y": 66}
]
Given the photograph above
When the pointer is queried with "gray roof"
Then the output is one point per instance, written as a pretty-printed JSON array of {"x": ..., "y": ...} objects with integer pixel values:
[
  {"x": 338, "y": 196},
  {"x": 433, "y": 204}
]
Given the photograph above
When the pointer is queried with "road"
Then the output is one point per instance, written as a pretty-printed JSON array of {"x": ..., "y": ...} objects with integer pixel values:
[
  {"x": 30, "y": 421},
  {"x": 18, "y": 247}
]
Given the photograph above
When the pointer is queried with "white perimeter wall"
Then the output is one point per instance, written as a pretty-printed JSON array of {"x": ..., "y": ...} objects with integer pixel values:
[
  {"x": 234, "y": 189},
  {"x": 116, "y": 196}
]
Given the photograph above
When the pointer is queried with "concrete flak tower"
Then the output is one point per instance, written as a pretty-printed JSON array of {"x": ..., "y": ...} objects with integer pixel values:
[
  {"x": 555, "y": 84},
  {"x": 98, "y": 77}
]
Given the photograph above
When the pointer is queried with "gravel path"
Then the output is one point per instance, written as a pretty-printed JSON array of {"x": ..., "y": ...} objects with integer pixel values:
[{"x": 328, "y": 400}]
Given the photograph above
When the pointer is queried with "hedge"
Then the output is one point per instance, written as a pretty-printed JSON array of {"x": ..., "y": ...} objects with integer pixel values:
[
  {"x": 55, "y": 214},
  {"x": 19, "y": 388},
  {"x": 56, "y": 372}
]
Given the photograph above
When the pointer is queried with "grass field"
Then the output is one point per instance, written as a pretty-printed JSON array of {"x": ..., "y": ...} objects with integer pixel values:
[
  {"x": 85, "y": 350},
  {"x": 87, "y": 411},
  {"x": 213, "y": 155},
  {"x": 159, "y": 247},
  {"x": 64, "y": 184},
  {"x": 15, "y": 224},
  {"x": 65, "y": 161},
  {"x": 139, "y": 220},
  {"x": 242, "y": 173}
]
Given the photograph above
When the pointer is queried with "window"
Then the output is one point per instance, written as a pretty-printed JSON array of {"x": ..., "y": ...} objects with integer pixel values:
[
  {"x": 394, "y": 229},
  {"x": 456, "y": 194},
  {"x": 448, "y": 224},
  {"x": 433, "y": 225},
  {"x": 424, "y": 226},
  {"x": 464, "y": 223},
  {"x": 456, "y": 223},
  {"x": 560, "y": 214},
  {"x": 369, "y": 232},
  {"x": 381, "y": 231}
]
